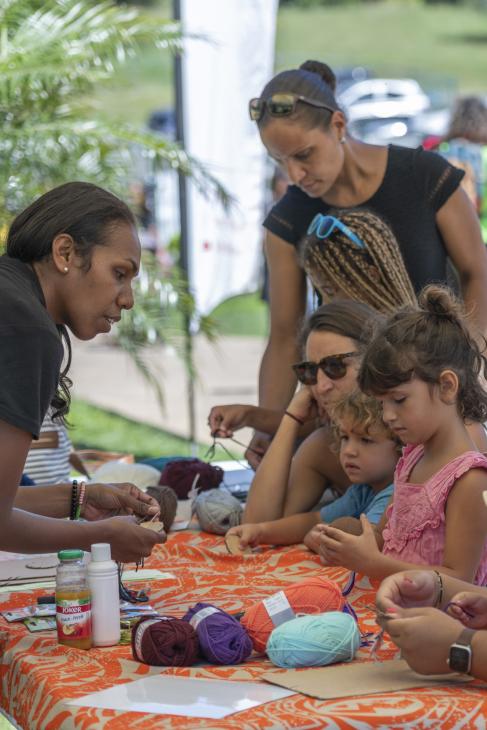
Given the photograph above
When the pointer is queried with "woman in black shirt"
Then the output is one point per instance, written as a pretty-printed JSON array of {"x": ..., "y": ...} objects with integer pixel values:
[
  {"x": 69, "y": 263},
  {"x": 417, "y": 193}
]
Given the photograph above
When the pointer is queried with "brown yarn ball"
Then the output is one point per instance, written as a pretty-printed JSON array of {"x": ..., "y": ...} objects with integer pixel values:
[
  {"x": 165, "y": 642},
  {"x": 168, "y": 502}
]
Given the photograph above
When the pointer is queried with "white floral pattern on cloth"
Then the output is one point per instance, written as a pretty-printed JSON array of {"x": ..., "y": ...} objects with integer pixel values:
[{"x": 415, "y": 530}]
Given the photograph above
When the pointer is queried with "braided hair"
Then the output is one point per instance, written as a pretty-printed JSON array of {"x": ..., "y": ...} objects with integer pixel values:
[{"x": 374, "y": 274}]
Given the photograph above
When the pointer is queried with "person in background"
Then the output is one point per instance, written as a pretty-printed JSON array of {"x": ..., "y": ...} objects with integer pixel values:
[
  {"x": 438, "y": 622},
  {"x": 368, "y": 453},
  {"x": 70, "y": 260},
  {"x": 51, "y": 457},
  {"x": 418, "y": 193},
  {"x": 465, "y": 146}
]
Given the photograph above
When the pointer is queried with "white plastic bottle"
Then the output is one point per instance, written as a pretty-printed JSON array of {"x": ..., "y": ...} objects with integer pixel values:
[{"x": 105, "y": 602}]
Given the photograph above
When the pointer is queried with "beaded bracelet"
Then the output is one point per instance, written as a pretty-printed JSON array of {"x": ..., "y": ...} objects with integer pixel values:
[
  {"x": 439, "y": 597},
  {"x": 295, "y": 418},
  {"x": 74, "y": 500},
  {"x": 81, "y": 499}
]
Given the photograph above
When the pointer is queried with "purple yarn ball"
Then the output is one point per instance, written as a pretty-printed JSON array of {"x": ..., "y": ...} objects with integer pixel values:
[{"x": 223, "y": 640}]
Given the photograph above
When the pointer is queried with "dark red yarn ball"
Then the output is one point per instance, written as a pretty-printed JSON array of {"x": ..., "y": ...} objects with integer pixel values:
[
  {"x": 180, "y": 474},
  {"x": 165, "y": 642}
]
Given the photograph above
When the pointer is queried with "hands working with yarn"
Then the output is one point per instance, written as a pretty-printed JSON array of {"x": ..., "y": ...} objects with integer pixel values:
[
  {"x": 109, "y": 500},
  {"x": 421, "y": 588},
  {"x": 356, "y": 552},
  {"x": 425, "y": 634}
]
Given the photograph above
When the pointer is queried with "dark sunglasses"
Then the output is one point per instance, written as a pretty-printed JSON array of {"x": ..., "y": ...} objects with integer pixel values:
[
  {"x": 322, "y": 226},
  {"x": 333, "y": 366},
  {"x": 281, "y": 105}
]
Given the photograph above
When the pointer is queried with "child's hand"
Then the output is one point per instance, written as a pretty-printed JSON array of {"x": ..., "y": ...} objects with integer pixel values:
[
  {"x": 470, "y": 608},
  {"x": 250, "y": 534},
  {"x": 303, "y": 404},
  {"x": 355, "y": 552},
  {"x": 312, "y": 538},
  {"x": 408, "y": 589}
]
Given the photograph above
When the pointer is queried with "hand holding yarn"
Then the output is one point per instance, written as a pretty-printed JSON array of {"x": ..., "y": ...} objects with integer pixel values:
[
  {"x": 408, "y": 589},
  {"x": 355, "y": 552},
  {"x": 224, "y": 420},
  {"x": 314, "y": 641},
  {"x": 168, "y": 503},
  {"x": 470, "y": 608}
]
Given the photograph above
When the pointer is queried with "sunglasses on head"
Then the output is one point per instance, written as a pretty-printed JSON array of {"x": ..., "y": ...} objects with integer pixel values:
[
  {"x": 322, "y": 226},
  {"x": 281, "y": 105},
  {"x": 333, "y": 366}
]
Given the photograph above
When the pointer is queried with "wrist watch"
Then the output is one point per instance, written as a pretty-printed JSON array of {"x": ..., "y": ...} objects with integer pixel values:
[{"x": 460, "y": 659}]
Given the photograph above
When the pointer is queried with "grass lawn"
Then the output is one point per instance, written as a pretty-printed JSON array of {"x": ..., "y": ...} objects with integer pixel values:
[
  {"x": 95, "y": 428},
  {"x": 441, "y": 45},
  {"x": 243, "y": 315},
  {"x": 436, "y": 44}
]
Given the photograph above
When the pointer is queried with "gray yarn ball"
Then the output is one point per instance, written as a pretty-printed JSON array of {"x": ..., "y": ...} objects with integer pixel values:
[{"x": 217, "y": 511}]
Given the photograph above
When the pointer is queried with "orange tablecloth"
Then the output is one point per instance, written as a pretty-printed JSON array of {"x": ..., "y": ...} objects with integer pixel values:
[{"x": 38, "y": 675}]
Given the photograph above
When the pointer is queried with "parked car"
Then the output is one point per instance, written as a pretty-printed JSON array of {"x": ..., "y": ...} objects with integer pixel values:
[
  {"x": 405, "y": 131},
  {"x": 383, "y": 98}
]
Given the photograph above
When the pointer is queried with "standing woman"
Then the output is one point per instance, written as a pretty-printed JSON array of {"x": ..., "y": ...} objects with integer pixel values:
[
  {"x": 417, "y": 193},
  {"x": 69, "y": 263}
]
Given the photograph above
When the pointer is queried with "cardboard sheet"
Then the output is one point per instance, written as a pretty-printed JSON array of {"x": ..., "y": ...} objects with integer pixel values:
[
  {"x": 358, "y": 678},
  {"x": 28, "y": 569}
]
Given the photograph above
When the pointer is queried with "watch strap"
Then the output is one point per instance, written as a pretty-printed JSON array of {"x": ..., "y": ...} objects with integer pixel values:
[{"x": 465, "y": 638}]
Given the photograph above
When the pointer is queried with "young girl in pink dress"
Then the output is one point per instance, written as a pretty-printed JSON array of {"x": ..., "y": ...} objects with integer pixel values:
[{"x": 423, "y": 365}]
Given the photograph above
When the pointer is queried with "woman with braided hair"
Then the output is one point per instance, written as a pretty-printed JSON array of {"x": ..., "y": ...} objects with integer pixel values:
[
  {"x": 417, "y": 193},
  {"x": 354, "y": 254}
]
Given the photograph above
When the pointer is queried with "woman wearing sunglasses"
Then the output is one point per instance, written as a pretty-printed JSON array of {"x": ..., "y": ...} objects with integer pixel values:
[
  {"x": 287, "y": 482},
  {"x": 418, "y": 193}
]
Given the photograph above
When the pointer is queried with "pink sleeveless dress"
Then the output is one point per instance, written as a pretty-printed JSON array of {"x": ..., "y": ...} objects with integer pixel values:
[{"x": 415, "y": 530}]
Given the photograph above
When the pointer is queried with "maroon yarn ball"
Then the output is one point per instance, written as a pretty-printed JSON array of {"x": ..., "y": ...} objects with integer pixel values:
[
  {"x": 165, "y": 642},
  {"x": 223, "y": 640},
  {"x": 180, "y": 475}
]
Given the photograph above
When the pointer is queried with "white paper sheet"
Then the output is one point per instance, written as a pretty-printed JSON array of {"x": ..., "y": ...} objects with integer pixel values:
[{"x": 167, "y": 695}]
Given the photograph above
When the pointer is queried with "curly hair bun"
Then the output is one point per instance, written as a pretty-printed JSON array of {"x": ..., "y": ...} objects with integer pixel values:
[
  {"x": 440, "y": 301},
  {"x": 322, "y": 70}
]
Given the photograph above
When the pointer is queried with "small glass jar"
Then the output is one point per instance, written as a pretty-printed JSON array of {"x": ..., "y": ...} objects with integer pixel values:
[{"x": 73, "y": 601}]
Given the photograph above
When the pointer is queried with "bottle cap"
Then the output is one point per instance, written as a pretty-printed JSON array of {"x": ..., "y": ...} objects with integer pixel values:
[
  {"x": 101, "y": 552},
  {"x": 70, "y": 554}
]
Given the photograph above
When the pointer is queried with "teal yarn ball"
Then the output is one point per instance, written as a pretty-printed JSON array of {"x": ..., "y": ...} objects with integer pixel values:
[{"x": 314, "y": 640}]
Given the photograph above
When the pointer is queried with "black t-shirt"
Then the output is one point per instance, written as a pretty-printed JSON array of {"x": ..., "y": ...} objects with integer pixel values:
[
  {"x": 415, "y": 186},
  {"x": 31, "y": 350}
]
